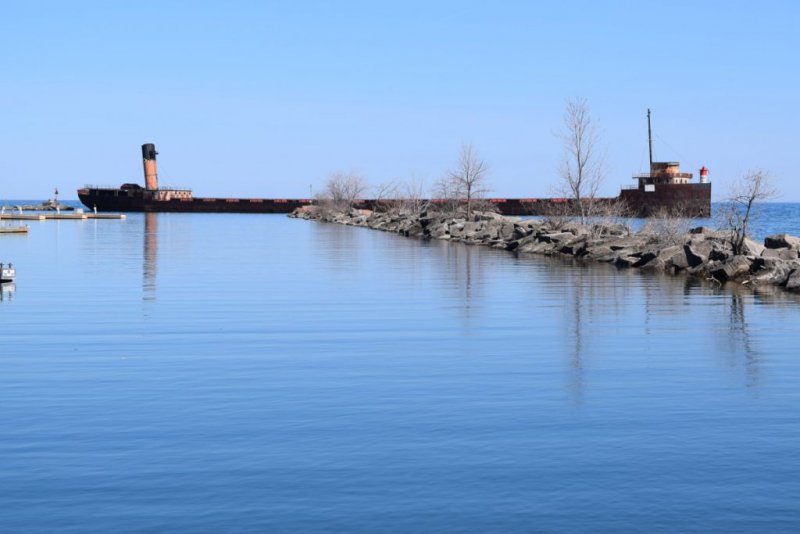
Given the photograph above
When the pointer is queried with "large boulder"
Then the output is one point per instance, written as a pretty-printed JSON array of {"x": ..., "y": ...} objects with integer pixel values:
[
  {"x": 697, "y": 252},
  {"x": 653, "y": 265},
  {"x": 780, "y": 253},
  {"x": 456, "y": 229},
  {"x": 733, "y": 269},
  {"x": 678, "y": 261},
  {"x": 536, "y": 247},
  {"x": 557, "y": 237},
  {"x": 516, "y": 243},
  {"x": 793, "y": 281},
  {"x": 506, "y": 231},
  {"x": 487, "y": 216},
  {"x": 628, "y": 242},
  {"x": 646, "y": 257},
  {"x": 668, "y": 252},
  {"x": 782, "y": 241},
  {"x": 437, "y": 230},
  {"x": 625, "y": 261},
  {"x": 489, "y": 231},
  {"x": 600, "y": 252},
  {"x": 576, "y": 247},
  {"x": 752, "y": 248},
  {"x": 773, "y": 271}
]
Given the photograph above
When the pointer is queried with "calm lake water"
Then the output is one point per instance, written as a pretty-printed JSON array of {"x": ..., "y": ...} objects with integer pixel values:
[{"x": 253, "y": 373}]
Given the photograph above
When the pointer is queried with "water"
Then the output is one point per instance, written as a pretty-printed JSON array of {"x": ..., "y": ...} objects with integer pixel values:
[{"x": 206, "y": 373}]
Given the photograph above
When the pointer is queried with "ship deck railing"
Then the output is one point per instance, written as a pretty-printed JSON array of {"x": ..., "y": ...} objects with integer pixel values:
[
  {"x": 662, "y": 175},
  {"x": 162, "y": 188}
]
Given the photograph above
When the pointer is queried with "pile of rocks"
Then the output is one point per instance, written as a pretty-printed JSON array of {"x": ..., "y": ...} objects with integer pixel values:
[{"x": 702, "y": 252}]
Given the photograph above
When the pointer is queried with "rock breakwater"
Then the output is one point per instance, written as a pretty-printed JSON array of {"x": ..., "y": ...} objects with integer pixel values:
[{"x": 701, "y": 252}]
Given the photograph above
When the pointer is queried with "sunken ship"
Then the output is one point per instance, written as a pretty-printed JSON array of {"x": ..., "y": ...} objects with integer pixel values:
[{"x": 665, "y": 190}]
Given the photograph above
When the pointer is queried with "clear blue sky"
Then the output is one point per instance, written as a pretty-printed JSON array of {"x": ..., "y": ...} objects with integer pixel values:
[{"x": 266, "y": 98}]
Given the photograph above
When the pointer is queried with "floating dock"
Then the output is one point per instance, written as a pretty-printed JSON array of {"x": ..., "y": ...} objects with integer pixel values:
[
  {"x": 59, "y": 216},
  {"x": 13, "y": 229}
]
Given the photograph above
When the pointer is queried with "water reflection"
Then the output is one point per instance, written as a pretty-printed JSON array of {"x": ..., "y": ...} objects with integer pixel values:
[
  {"x": 585, "y": 316},
  {"x": 741, "y": 341},
  {"x": 602, "y": 304},
  {"x": 338, "y": 244},
  {"x": 150, "y": 255},
  {"x": 7, "y": 291},
  {"x": 464, "y": 267}
]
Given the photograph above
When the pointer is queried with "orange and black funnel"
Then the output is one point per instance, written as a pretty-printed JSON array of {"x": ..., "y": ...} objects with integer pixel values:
[{"x": 149, "y": 158}]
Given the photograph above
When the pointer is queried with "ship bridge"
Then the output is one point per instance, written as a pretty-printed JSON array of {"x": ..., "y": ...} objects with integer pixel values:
[{"x": 663, "y": 172}]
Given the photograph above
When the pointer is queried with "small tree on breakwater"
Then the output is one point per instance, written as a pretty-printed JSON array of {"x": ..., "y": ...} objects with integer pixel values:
[
  {"x": 583, "y": 166},
  {"x": 740, "y": 208},
  {"x": 342, "y": 190},
  {"x": 466, "y": 184}
]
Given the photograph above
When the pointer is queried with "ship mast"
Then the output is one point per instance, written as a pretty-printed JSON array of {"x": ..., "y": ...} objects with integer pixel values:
[{"x": 649, "y": 138}]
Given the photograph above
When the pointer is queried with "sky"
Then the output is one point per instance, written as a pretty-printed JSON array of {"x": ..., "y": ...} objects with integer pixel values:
[{"x": 267, "y": 99}]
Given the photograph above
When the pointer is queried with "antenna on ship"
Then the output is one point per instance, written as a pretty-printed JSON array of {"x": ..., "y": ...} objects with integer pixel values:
[{"x": 649, "y": 138}]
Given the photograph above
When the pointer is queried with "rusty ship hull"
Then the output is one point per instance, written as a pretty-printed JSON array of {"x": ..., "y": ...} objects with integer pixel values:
[
  {"x": 664, "y": 190},
  {"x": 126, "y": 200},
  {"x": 680, "y": 199}
]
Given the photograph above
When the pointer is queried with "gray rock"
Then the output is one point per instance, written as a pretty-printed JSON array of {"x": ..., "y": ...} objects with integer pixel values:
[
  {"x": 576, "y": 247},
  {"x": 487, "y": 216},
  {"x": 780, "y": 253},
  {"x": 645, "y": 258},
  {"x": 697, "y": 252},
  {"x": 513, "y": 245},
  {"x": 631, "y": 242},
  {"x": 437, "y": 230},
  {"x": 678, "y": 261},
  {"x": 735, "y": 268},
  {"x": 654, "y": 265},
  {"x": 668, "y": 252},
  {"x": 522, "y": 231},
  {"x": 456, "y": 229},
  {"x": 719, "y": 253},
  {"x": 793, "y": 281},
  {"x": 773, "y": 271},
  {"x": 626, "y": 261},
  {"x": 471, "y": 228},
  {"x": 557, "y": 237},
  {"x": 782, "y": 241},
  {"x": 752, "y": 248},
  {"x": 595, "y": 249},
  {"x": 536, "y": 247},
  {"x": 506, "y": 231}
]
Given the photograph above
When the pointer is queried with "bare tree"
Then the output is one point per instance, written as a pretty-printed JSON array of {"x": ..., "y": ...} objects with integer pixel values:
[
  {"x": 467, "y": 182},
  {"x": 343, "y": 189},
  {"x": 447, "y": 198},
  {"x": 582, "y": 169},
  {"x": 740, "y": 209},
  {"x": 414, "y": 200},
  {"x": 387, "y": 197},
  {"x": 669, "y": 225}
]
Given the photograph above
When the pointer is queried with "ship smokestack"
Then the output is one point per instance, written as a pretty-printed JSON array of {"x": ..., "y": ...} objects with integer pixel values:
[{"x": 149, "y": 159}]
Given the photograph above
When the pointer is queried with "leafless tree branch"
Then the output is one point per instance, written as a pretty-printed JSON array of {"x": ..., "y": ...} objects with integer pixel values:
[
  {"x": 582, "y": 169},
  {"x": 753, "y": 187}
]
